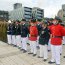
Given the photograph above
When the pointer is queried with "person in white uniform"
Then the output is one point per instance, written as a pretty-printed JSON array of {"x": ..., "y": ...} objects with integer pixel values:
[
  {"x": 24, "y": 34},
  {"x": 9, "y": 37},
  {"x": 43, "y": 41},
  {"x": 18, "y": 34},
  {"x": 13, "y": 34}
]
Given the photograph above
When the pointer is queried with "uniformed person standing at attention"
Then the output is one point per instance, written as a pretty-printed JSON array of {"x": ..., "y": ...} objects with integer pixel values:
[
  {"x": 61, "y": 23},
  {"x": 57, "y": 32},
  {"x": 18, "y": 34},
  {"x": 9, "y": 29},
  {"x": 24, "y": 34},
  {"x": 49, "y": 43},
  {"x": 43, "y": 41},
  {"x": 39, "y": 27},
  {"x": 33, "y": 37},
  {"x": 13, "y": 34}
]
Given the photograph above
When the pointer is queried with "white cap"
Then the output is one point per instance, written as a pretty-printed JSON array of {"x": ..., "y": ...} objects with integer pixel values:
[{"x": 9, "y": 21}]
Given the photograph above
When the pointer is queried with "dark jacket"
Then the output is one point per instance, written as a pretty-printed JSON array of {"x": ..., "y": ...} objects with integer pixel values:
[
  {"x": 44, "y": 37},
  {"x": 13, "y": 29},
  {"x": 9, "y": 29},
  {"x": 18, "y": 29},
  {"x": 24, "y": 31},
  {"x": 39, "y": 27}
]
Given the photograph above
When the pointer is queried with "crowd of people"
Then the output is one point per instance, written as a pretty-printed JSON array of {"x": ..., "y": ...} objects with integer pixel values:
[{"x": 43, "y": 36}]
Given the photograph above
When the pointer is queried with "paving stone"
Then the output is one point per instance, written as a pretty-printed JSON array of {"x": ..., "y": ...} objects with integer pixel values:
[{"x": 10, "y": 55}]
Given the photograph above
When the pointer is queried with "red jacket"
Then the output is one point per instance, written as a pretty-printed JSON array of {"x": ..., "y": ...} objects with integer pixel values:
[
  {"x": 57, "y": 31},
  {"x": 33, "y": 33}
]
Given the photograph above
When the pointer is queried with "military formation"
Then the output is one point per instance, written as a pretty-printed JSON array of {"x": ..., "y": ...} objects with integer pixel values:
[{"x": 44, "y": 36}]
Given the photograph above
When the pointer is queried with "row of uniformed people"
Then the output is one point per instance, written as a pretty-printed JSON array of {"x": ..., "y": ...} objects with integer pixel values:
[
  {"x": 44, "y": 39},
  {"x": 17, "y": 33}
]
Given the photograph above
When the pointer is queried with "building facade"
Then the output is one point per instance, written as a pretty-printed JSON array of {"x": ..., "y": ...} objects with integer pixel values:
[
  {"x": 17, "y": 5},
  {"x": 63, "y": 9},
  {"x": 27, "y": 13},
  {"x": 21, "y": 13},
  {"x": 61, "y": 13},
  {"x": 4, "y": 15},
  {"x": 38, "y": 13}
]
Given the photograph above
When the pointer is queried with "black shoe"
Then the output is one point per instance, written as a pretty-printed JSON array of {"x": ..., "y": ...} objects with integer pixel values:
[
  {"x": 64, "y": 56},
  {"x": 34, "y": 54},
  {"x": 28, "y": 44},
  {"x": 60, "y": 54},
  {"x": 49, "y": 50},
  {"x": 30, "y": 53},
  {"x": 14, "y": 46},
  {"x": 24, "y": 51},
  {"x": 21, "y": 49},
  {"x": 40, "y": 57},
  {"x": 45, "y": 60},
  {"x": 51, "y": 62},
  {"x": 63, "y": 44},
  {"x": 38, "y": 47}
]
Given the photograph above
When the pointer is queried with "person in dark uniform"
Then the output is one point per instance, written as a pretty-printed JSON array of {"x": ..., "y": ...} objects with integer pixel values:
[
  {"x": 64, "y": 56},
  {"x": 39, "y": 27},
  {"x": 43, "y": 41},
  {"x": 18, "y": 34},
  {"x": 24, "y": 33},
  {"x": 63, "y": 38},
  {"x": 13, "y": 34},
  {"x": 9, "y": 38},
  {"x": 49, "y": 25}
]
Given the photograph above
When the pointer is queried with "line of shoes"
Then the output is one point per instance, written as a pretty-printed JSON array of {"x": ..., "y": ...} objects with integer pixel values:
[{"x": 24, "y": 51}]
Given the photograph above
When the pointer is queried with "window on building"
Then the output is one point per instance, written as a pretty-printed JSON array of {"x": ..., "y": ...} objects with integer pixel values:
[
  {"x": 63, "y": 9},
  {"x": 28, "y": 11},
  {"x": 63, "y": 15}
]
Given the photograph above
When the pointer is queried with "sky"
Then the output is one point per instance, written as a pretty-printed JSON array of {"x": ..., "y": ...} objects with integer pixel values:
[{"x": 51, "y": 7}]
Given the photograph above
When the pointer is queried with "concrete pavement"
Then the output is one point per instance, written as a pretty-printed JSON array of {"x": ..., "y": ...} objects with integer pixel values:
[{"x": 10, "y": 55}]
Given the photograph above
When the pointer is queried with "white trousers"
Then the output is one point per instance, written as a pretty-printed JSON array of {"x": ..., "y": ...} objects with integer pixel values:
[
  {"x": 24, "y": 43},
  {"x": 43, "y": 51},
  {"x": 49, "y": 44},
  {"x": 61, "y": 49},
  {"x": 38, "y": 41},
  {"x": 13, "y": 40},
  {"x": 9, "y": 39},
  {"x": 33, "y": 47},
  {"x": 63, "y": 41},
  {"x": 27, "y": 39},
  {"x": 18, "y": 40},
  {"x": 55, "y": 53}
]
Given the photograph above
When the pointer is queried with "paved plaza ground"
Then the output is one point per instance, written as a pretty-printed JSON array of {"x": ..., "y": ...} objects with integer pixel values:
[{"x": 10, "y": 55}]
